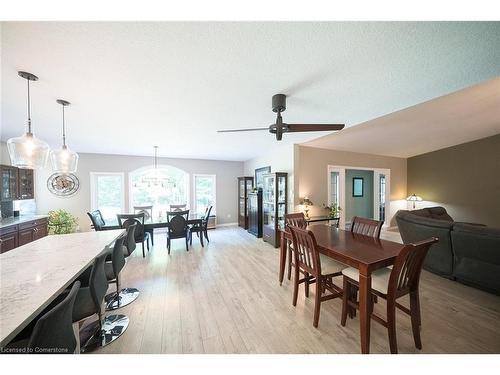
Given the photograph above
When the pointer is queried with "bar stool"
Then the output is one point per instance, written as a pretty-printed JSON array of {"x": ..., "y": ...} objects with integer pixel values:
[
  {"x": 89, "y": 301},
  {"x": 125, "y": 296},
  {"x": 52, "y": 332}
]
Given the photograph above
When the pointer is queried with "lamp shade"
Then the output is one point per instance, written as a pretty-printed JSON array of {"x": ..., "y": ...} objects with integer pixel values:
[
  {"x": 414, "y": 198},
  {"x": 28, "y": 152},
  {"x": 306, "y": 202},
  {"x": 64, "y": 160}
]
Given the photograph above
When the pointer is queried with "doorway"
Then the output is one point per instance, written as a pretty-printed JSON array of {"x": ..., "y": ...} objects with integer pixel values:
[{"x": 359, "y": 191}]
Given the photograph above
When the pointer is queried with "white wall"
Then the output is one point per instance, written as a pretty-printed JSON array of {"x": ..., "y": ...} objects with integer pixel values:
[{"x": 226, "y": 172}]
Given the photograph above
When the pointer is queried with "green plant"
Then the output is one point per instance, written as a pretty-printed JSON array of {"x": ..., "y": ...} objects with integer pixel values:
[
  {"x": 61, "y": 222},
  {"x": 333, "y": 210}
]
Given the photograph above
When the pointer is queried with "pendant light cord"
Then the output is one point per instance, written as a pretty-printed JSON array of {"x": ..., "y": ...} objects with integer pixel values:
[
  {"x": 29, "y": 108},
  {"x": 63, "y": 129}
]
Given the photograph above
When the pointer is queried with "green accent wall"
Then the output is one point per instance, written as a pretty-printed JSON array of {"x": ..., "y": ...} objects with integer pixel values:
[
  {"x": 465, "y": 179},
  {"x": 359, "y": 206}
]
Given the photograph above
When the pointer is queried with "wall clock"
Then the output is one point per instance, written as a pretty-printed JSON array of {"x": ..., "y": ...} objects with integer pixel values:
[{"x": 63, "y": 185}]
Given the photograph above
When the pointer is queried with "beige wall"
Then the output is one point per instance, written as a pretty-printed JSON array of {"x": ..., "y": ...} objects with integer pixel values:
[
  {"x": 226, "y": 178},
  {"x": 465, "y": 179},
  {"x": 311, "y": 172}
]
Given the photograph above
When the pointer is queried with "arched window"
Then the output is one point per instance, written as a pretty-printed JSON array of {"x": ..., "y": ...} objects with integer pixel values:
[{"x": 159, "y": 187}]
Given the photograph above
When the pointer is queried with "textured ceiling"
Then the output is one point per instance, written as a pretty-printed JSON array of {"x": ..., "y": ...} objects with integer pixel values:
[{"x": 134, "y": 85}]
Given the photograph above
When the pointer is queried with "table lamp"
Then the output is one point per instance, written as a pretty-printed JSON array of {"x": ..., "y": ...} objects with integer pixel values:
[
  {"x": 306, "y": 202},
  {"x": 414, "y": 198}
]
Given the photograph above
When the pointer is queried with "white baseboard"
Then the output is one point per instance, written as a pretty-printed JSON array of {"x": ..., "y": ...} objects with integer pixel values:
[{"x": 227, "y": 225}]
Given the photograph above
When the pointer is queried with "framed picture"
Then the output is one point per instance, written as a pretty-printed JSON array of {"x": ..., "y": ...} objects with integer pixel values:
[
  {"x": 357, "y": 186},
  {"x": 259, "y": 172}
]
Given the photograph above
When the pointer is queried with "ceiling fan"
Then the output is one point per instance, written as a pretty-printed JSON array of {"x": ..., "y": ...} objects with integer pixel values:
[{"x": 279, "y": 127}]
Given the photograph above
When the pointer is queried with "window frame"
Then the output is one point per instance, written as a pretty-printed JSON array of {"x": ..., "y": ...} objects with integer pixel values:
[
  {"x": 214, "y": 176},
  {"x": 93, "y": 188}
]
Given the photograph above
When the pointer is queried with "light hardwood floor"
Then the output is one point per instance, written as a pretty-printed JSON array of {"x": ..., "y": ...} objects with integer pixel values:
[{"x": 225, "y": 298}]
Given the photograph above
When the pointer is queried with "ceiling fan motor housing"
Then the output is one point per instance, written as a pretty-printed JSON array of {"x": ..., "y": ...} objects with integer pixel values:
[{"x": 279, "y": 102}]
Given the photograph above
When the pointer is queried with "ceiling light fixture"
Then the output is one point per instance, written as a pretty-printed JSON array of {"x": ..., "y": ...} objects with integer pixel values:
[
  {"x": 155, "y": 178},
  {"x": 64, "y": 160},
  {"x": 27, "y": 151}
]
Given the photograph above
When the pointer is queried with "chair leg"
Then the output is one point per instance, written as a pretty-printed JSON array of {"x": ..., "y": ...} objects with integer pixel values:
[
  {"x": 317, "y": 302},
  {"x": 345, "y": 297},
  {"x": 391, "y": 326},
  {"x": 143, "y": 252},
  {"x": 147, "y": 242},
  {"x": 289, "y": 264},
  {"x": 206, "y": 235},
  {"x": 306, "y": 284},
  {"x": 187, "y": 244},
  {"x": 168, "y": 245},
  {"x": 415, "y": 318},
  {"x": 191, "y": 238},
  {"x": 295, "y": 286}
]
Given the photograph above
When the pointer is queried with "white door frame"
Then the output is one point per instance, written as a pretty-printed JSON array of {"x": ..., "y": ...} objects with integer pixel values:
[{"x": 376, "y": 200}]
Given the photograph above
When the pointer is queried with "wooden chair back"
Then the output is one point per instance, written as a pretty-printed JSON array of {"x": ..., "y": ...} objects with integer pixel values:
[
  {"x": 305, "y": 250},
  {"x": 177, "y": 223},
  {"x": 146, "y": 210},
  {"x": 405, "y": 274},
  {"x": 296, "y": 220},
  {"x": 367, "y": 227},
  {"x": 125, "y": 220}
]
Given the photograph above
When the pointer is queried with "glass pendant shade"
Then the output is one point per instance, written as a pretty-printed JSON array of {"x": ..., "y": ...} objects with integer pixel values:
[
  {"x": 27, "y": 151},
  {"x": 64, "y": 160}
]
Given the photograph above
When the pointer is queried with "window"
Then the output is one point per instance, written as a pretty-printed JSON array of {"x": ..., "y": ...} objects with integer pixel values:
[
  {"x": 334, "y": 180},
  {"x": 382, "y": 197},
  {"x": 204, "y": 193},
  {"x": 107, "y": 194},
  {"x": 172, "y": 188}
]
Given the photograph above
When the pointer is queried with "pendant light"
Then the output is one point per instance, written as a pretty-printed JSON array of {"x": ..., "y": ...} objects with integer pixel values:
[
  {"x": 64, "y": 160},
  {"x": 27, "y": 151},
  {"x": 154, "y": 178}
]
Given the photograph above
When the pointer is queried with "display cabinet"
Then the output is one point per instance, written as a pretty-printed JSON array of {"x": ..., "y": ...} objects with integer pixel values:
[
  {"x": 245, "y": 186},
  {"x": 274, "y": 202},
  {"x": 255, "y": 213}
]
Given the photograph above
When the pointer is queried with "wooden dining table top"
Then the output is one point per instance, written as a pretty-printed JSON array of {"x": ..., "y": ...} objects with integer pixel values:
[{"x": 354, "y": 249}]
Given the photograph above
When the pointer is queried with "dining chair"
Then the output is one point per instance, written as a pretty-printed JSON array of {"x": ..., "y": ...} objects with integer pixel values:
[
  {"x": 97, "y": 220},
  {"x": 317, "y": 268},
  {"x": 141, "y": 236},
  {"x": 53, "y": 329},
  {"x": 391, "y": 284},
  {"x": 146, "y": 210},
  {"x": 367, "y": 227},
  {"x": 177, "y": 207},
  {"x": 297, "y": 220},
  {"x": 177, "y": 227},
  {"x": 203, "y": 229}
]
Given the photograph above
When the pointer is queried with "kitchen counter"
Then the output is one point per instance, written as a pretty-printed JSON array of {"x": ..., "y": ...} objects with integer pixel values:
[
  {"x": 8, "y": 221},
  {"x": 33, "y": 275}
]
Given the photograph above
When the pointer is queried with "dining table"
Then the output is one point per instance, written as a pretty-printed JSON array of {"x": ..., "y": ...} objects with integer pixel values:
[{"x": 362, "y": 252}]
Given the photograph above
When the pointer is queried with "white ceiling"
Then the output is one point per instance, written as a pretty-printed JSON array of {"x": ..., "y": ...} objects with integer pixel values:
[
  {"x": 134, "y": 85},
  {"x": 460, "y": 117}
]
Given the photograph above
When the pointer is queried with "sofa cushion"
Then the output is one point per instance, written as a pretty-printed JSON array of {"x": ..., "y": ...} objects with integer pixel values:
[
  {"x": 439, "y": 213},
  {"x": 477, "y": 229},
  {"x": 424, "y": 212},
  {"x": 422, "y": 220}
]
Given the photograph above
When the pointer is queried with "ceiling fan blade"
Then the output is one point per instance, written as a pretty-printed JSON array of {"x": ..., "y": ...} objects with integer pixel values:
[
  {"x": 313, "y": 127},
  {"x": 240, "y": 130}
]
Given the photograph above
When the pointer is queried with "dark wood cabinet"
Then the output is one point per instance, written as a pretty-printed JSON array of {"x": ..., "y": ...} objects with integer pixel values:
[
  {"x": 8, "y": 183},
  {"x": 245, "y": 185},
  {"x": 25, "y": 188},
  {"x": 255, "y": 213},
  {"x": 274, "y": 202},
  {"x": 20, "y": 234},
  {"x": 16, "y": 183},
  {"x": 8, "y": 239}
]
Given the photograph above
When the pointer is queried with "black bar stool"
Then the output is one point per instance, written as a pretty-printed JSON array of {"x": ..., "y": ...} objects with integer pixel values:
[
  {"x": 125, "y": 296},
  {"x": 52, "y": 332},
  {"x": 89, "y": 302}
]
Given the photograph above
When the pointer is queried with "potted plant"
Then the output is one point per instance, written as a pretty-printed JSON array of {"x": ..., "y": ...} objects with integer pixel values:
[
  {"x": 61, "y": 222},
  {"x": 333, "y": 210}
]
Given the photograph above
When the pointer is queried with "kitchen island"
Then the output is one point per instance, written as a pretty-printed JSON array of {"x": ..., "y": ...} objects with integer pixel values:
[{"x": 33, "y": 275}]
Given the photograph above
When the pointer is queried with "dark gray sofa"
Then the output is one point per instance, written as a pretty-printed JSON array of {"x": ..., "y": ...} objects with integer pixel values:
[{"x": 469, "y": 253}]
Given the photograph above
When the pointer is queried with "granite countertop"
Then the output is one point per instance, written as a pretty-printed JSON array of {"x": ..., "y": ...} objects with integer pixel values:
[{"x": 8, "y": 221}]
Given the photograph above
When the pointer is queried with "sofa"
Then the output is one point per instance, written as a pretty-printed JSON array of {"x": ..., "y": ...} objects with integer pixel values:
[{"x": 466, "y": 252}]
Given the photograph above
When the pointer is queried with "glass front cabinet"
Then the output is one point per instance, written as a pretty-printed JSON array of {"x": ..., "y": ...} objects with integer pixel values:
[
  {"x": 245, "y": 186},
  {"x": 274, "y": 199}
]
